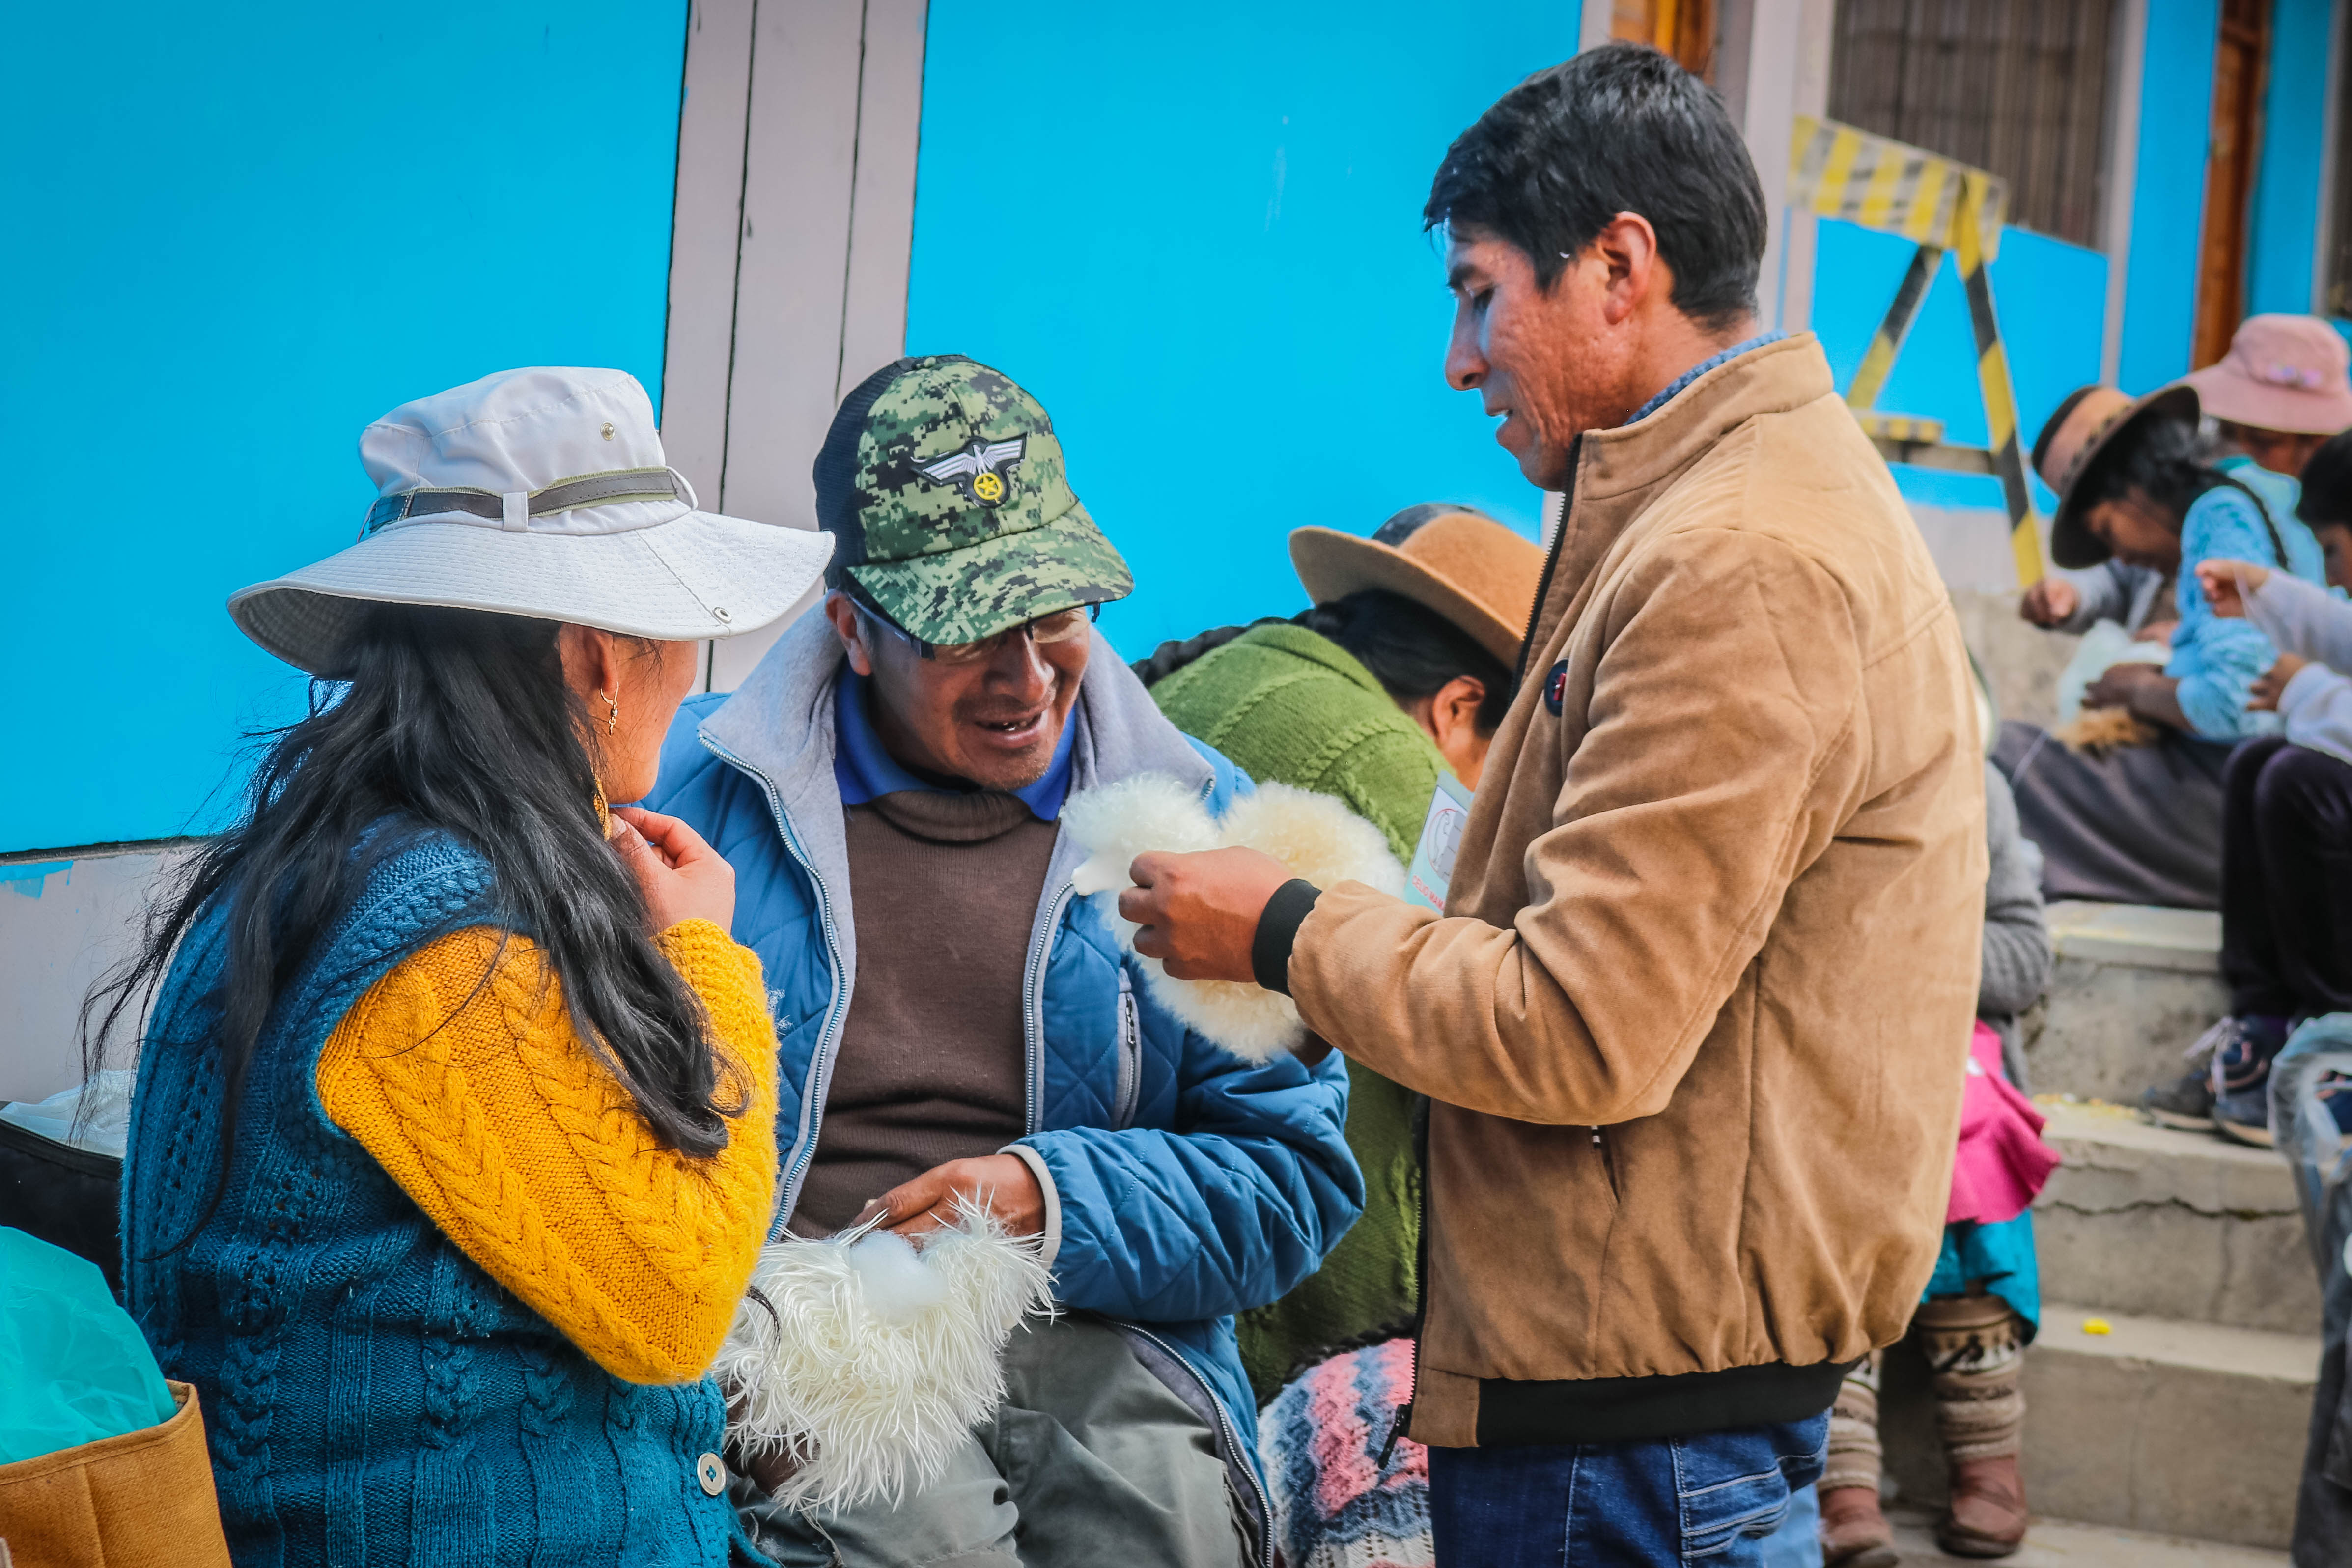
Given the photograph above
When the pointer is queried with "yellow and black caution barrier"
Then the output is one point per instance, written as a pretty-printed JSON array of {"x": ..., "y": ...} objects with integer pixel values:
[{"x": 1878, "y": 183}]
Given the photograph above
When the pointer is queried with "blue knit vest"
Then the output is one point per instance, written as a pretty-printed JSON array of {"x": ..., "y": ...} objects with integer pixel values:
[{"x": 373, "y": 1396}]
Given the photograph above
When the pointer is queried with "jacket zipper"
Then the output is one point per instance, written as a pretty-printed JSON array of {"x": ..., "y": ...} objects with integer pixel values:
[
  {"x": 788, "y": 1185},
  {"x": 1130, "y": 1051},
  {"x": 1033, "y": 1008},
  {"x": 1419, "y": 1275},
  {"x": 1226, "y": 1435},
  {"x": 1551, "y": 560}
]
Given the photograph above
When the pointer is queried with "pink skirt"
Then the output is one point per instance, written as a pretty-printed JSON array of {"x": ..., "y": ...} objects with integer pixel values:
[{"x": 2002, "y": 1161}]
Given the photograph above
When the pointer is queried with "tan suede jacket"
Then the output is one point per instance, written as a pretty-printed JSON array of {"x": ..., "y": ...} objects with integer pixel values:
[{"x": 1696, "y": 1019}]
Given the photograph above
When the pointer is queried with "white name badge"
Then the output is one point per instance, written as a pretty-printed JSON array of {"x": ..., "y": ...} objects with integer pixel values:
[{"x": 1440, "y": 840}]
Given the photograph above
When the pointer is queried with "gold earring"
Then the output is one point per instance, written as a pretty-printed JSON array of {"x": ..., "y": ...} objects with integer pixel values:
[{"x": 613, "y": 712}]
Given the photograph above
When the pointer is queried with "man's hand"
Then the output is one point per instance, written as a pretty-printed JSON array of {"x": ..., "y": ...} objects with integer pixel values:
[
  {"x": 2270, "y": 685},
  {"x": 1002, "y": 1183},
  {"x": 1200, "y": 912},
  {"x": 2050, "y": 602},
  {"x": 2226, "y": 584}
]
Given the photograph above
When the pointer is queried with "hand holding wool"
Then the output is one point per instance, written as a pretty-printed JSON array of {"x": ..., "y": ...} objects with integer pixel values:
[
  {"x": 1307, "y": 835},
  {"x": 1198, "y": 913},
  {"x": 856, "y": 1364}
]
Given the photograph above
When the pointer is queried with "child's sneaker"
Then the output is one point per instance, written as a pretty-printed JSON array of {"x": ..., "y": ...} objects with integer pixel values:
[
  {"x": 2187, "y": 1103},
  {"x": 2241, "y": 1077}
]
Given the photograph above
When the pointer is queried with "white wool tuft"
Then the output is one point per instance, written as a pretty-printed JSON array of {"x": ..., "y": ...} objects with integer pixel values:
[
  {"x": 1131, "y": 817},
  {"x": 1316, "y": 836},
  {"x": 866, "y": 1361}
]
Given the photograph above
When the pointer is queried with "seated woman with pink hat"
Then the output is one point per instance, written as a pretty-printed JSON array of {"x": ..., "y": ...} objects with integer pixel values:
[
  {"x": 2280, "y": 391},
  {"x": 2139, "y": 820},
  {"x": 452, "y": 1146}
]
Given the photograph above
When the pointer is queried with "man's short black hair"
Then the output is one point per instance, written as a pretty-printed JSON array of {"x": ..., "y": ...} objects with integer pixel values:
[{"x": 1618, "y": 129}]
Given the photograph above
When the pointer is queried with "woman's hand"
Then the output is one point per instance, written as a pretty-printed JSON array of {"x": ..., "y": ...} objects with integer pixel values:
[
  {"x": 683, "y": 877},
  {"x": 2050, "y": 602},
  {"x": 2141, "y": 688},
  {"x": 2226, "y": 584},
  {"x": 2270, "y": 685}
]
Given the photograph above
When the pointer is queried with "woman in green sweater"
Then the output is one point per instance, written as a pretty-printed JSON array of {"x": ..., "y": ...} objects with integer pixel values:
[{"x": 1398, "y": 672}]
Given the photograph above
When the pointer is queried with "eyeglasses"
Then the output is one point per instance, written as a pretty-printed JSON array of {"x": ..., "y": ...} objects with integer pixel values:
[{"x": 1062, "y": 625}]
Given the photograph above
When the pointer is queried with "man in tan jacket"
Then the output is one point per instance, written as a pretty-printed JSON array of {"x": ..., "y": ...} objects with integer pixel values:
[{"x": 1695, "y": 1018}]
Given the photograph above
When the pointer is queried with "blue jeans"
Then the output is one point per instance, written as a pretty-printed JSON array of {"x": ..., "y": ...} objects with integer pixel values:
[{"x": 1709, "y": 1498}]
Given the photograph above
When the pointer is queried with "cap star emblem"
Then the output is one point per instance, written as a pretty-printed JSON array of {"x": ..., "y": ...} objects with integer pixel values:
[{"x": 978, "y": 471}]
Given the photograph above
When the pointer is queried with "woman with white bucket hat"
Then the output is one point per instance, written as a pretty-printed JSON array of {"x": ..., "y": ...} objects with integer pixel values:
[{"x": 453, "y": 1142}]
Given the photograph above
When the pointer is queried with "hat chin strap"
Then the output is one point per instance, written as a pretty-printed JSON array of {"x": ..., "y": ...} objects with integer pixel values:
[{"x": 514, "y": 510}]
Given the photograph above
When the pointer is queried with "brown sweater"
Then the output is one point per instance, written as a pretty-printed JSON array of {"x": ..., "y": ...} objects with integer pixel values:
[{"x": 932, "y": 1064}]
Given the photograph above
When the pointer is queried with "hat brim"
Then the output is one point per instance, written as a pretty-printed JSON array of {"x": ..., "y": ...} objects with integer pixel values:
[
  {"x": 2227, "y": 394},
  {"x": 1332, "y": 564},
  {"x": 2073, "y": 545},
  {"x": 698, "y": 576},
  {"x": 964, "y": 596}
]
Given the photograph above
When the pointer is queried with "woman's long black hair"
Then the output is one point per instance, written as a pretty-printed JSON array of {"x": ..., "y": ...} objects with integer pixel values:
[
  {"x": 459, "y": 721},
  {"x": 2166, "y": 462}
]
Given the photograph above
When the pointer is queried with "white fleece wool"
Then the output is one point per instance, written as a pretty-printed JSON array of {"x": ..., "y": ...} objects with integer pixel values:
[
  {"x": 866, "y": 1361},
  {"x": 1317, "y": 836}
]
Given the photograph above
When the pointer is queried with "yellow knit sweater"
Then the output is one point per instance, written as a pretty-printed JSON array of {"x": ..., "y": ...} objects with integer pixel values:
[{"x": 479, "y": 1101}]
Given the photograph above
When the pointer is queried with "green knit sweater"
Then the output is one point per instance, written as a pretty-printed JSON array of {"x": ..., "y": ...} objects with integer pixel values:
[{"x": 1293, "y": 707}]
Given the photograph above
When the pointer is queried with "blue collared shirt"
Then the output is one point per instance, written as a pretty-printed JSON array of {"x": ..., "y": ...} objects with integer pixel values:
[
  {"x": 1700, "y": 369},
  {"x": 862, "y": 770}
]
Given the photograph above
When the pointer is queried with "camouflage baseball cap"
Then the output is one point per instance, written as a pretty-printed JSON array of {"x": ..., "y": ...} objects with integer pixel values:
[{"x": 942, "y": 483}]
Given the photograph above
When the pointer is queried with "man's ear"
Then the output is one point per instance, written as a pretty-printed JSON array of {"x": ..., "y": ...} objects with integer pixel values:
[
  {"x": 850, "y": 629},
  {"x": 1629, "y": 246}
]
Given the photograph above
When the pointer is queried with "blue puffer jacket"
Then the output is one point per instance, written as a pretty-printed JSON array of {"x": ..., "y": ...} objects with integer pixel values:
[{"x": 1189, "y": 1185}]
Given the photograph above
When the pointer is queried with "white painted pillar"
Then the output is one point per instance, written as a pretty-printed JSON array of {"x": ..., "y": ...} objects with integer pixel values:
[
  {"x": 789, "y": 254},
  {"x": 1592, "y": 23},
  {"x": 1773, "y": 64},
  {"x": 2127, "y": 61}
]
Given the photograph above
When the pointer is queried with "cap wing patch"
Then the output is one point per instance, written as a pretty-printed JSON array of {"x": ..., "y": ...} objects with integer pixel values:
[{"x": 979, "y": 470}]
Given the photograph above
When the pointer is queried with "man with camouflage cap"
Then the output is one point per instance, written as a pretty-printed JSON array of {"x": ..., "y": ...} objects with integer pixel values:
[{"x": 955, "y": 1024}]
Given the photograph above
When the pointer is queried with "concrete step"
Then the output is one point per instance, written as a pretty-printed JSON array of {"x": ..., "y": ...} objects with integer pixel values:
[
  {"x": 2187, "y": 1429},
  {"x": 2063, "y": 1543},
  {"x": 2132, "y": 988},
  {"x": 2168, "y": 1224}
]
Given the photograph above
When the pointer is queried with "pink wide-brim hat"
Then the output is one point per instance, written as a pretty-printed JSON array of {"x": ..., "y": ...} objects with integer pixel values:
[{"x": 2281, "y": 373}]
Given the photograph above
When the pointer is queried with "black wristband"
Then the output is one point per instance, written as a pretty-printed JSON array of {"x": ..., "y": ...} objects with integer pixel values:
[{"x": 1278, "y": 929}]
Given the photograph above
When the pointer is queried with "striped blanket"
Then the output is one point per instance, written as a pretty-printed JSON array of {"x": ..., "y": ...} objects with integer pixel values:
[{"x": 1335, "y": 1504}]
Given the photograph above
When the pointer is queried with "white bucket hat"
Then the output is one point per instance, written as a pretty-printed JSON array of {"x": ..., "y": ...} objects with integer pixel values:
[{"x": 536, "y": 492}]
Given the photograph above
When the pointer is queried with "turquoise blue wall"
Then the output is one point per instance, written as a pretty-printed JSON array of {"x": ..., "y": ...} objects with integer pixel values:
[
  {"x": 1196, "y": 237},
  {"x": 233, "y": 235},
  {"x": 2050, "y": 297},
  {"x": 2168, "y": 192},
  {"x": 2286, "y": 187}
]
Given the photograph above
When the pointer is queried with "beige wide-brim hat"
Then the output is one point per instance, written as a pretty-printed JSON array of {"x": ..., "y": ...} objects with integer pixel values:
[
  {"x": 543, "y": 493},
  {"x": 2086, "y": 424},
  {"x": 1466, "y": 566},
  {"x": 2281, "y": 373}
]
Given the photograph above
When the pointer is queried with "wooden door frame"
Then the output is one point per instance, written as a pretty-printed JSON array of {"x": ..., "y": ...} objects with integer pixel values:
[{"x": 2230, "y": 169}]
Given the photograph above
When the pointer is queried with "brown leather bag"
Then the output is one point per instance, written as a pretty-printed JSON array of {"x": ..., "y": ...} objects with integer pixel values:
[{"x": 143, "y": 1496}]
